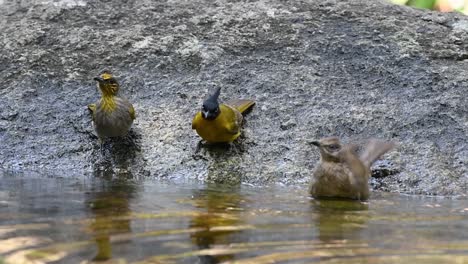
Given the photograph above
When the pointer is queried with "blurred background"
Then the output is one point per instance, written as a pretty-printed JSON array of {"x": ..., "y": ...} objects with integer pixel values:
[{"x": 440, "y": 5}]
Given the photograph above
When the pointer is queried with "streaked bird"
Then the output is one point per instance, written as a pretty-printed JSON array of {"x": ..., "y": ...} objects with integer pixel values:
[
  {"x": 220, "y": 123},
  {"x": 112, "y": 115},
  {"x": 341, "y": 172}
]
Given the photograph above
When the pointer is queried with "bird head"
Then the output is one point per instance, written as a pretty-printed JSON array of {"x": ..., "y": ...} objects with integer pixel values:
[
  {"x": 210, "y": 109},
  {"x": 330, "y": 148},
  {"x": 107, "y": 83}
]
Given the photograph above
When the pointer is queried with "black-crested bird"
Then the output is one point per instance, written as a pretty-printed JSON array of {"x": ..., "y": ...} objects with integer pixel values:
[
  {"x": 112, "y": 115},
  {"x": 220, "y": 123},
  {"x": 341, "y": 172}
]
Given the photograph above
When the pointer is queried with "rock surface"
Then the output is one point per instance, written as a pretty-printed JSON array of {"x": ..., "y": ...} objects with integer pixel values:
[{"x": 355, "y": 69}]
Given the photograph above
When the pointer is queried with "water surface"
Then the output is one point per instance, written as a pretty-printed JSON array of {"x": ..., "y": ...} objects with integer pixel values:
[{"x": 118, "y": 218}]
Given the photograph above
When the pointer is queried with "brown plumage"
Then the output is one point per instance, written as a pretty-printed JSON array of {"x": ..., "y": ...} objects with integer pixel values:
[{"x": 341, "y": 172}]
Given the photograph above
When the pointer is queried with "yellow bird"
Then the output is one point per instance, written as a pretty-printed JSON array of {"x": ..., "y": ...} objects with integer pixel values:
[
  {"x": 112, "y": 115},
  {"x": 220, "y": 123}
]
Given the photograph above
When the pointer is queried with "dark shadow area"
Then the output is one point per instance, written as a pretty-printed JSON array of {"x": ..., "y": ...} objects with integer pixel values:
[
  {"x": 226, "y": 161},
  {"x": 118, "y": 154},
  {"x": 218, "y": 149}
]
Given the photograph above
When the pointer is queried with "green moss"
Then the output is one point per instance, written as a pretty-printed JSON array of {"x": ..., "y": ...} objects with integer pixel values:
[{"x": 429, "y": 4}]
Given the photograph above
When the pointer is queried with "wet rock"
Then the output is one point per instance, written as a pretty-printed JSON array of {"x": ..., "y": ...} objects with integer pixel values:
[
  {"x": 355, "y": 69},
  {"x": 288, "y": 125}
]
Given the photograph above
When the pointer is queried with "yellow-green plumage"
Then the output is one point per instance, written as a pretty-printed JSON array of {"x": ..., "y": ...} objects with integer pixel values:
[
  {"x": 112, "y": 115},
  {"x": 226, "y": 127},
  {"x": 242, "y": 105}
]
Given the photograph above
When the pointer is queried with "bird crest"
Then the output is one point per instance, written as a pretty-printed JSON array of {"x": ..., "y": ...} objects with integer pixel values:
[
  {"x": 106, "y": 75},
  {"x": 210, "y": 108},
  {"x": 214, "y": 97}
]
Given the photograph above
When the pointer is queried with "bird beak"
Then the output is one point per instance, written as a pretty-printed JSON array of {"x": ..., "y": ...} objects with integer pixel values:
[
  {"x": 208, "y": 115},
  {"x": 315, "y": 143},
  {"x": 204, "y": 114},
  {"x": 98, "y": 79}
]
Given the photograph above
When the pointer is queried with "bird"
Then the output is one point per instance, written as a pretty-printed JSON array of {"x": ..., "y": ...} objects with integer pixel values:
[
  {"x": 220, "y": 123},
  {"x": 112, "y": 115},
  {"x": 341, "y": 172}
]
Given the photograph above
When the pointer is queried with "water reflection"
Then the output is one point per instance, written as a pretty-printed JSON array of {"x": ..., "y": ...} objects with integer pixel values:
[
  {"x": 339, "y": 219},
  {"x": 109, "y": 201},
  {"x": 110, "y": 206},
  {"x": 131, "y": 221},
  {"x": 217, "y": 221}
]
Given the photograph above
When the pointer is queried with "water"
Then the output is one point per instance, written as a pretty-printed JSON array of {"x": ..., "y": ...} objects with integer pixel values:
[{"x": 121, "y": 219}]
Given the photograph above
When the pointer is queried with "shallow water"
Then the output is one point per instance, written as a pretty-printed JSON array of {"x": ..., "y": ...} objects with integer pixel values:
[{"x": 121, "y": 219}]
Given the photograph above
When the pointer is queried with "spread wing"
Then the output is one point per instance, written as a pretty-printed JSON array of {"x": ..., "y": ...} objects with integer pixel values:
[{"x": 374, "y": 149}]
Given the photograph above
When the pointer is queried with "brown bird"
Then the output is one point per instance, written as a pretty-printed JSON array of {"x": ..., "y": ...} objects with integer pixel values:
[{"x": 341, "y": 172}]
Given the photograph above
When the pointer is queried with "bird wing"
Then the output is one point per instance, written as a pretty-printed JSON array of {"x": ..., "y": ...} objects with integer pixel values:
[
  {"x": 374, "y": 149},
  {"x": 92, "y": 108},
  {"x": 232, "y": 119},
  {"x": 242, "y": 105},
  {"x": 123, "y": 103},
  {"x": 131, "y": 110}
]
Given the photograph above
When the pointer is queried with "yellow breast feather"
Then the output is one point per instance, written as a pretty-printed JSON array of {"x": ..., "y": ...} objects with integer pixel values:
[
  {"x": 225, "y": 128},
  {"x": 220, "y": 123}
]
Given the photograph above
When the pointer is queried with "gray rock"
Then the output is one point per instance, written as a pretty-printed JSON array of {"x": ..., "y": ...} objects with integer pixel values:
[{"x": 355, "y": 69}]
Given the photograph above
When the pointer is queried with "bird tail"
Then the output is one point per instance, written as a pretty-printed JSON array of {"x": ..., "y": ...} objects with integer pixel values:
[
  {"x": 242, "y": 105},
  {"x": 374, "y": 149}
]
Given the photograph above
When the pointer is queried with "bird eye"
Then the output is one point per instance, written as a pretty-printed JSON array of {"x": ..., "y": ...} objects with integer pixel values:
[{"x": 334, "y": 147}]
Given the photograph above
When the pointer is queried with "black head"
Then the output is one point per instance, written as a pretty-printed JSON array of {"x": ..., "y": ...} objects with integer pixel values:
[{"x": 210, "y": 109}]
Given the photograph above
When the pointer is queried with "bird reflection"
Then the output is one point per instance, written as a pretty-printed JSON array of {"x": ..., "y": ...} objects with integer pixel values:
[
  {"x": 339, "y": 219},
  {"x": 217, "y": 221},
  {"x": 115, "y": 186},
  {"x": 110, "y": 206}
]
